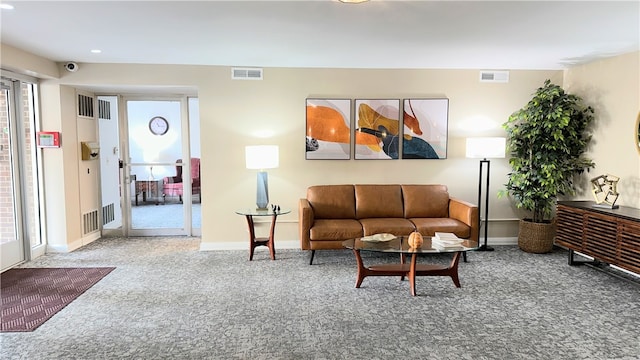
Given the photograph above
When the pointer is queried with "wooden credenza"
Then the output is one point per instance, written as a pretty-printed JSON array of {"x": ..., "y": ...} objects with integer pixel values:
[{"x": 611, "y": 236}]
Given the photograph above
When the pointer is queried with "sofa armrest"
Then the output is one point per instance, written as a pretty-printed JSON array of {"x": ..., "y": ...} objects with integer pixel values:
[
  {"x": 305, "y": 222},
  {"x": 467, "y": 213}
]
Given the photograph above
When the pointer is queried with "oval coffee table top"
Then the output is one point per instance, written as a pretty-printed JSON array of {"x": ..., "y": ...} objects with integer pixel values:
[{"x": 400, "y": 245}]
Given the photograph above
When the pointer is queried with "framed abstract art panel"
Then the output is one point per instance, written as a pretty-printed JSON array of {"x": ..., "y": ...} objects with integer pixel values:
[
  {"x": 328, "y": 129},
  {"x": 425, "y": 128},
  {"x": 377, "y": 130}
]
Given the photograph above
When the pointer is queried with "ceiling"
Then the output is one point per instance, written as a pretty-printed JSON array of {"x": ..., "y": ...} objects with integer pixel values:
[{"x": 326, "y": 33}]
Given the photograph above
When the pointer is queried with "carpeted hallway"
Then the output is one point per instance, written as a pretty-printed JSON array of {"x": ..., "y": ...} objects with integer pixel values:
[{"x": 167, "y": 300}]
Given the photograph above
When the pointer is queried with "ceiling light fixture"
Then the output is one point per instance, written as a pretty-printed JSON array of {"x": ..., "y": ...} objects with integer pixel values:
[
  {"x": 6, "y": 7},
  {"x": 353, "y": 1},
  {"x": 96, "y": 51}
]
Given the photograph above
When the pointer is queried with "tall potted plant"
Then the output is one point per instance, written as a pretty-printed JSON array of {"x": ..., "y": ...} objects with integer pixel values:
[{"x": 547, "y": 140}]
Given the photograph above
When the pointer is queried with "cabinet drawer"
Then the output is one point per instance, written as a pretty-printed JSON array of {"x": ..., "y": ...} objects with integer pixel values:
[{"x": 569, "y": 225}]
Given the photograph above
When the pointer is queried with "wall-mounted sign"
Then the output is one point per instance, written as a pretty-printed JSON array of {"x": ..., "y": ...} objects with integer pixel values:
[{"x": 47, "y": 139}]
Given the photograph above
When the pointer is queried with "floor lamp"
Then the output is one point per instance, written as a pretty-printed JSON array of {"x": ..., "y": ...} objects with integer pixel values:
[
  {"x": 262, "y": 157},
  {"x": 483, "y": 148}
]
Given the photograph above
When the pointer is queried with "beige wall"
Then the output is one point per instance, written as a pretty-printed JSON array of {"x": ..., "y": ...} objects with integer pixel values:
[
  {"x": 237, "y": 113},
  {"x": 60, "y": 170},
  {"x": 26, "y": 63},
  {"x": 612, "y": 87},
  {"x": 244, "y": 109}
]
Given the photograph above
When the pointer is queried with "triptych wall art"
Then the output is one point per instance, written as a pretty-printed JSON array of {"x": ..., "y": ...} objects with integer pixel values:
[{"x": 377, "y": 132}]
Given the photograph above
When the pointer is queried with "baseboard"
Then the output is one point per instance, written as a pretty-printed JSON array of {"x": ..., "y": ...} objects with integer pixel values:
[
  {"x": 91, "y": 238},
  {"x": 496, "y": 241},
  {"x": 74, "y": 245},
  {"x": 244, "y": 245},
  {"x": 58, "y": 248},
  {"x": 295, "y": 244}
]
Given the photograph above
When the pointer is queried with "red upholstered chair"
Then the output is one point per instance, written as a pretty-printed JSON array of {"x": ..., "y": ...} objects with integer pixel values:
[{"x": 172, "y": 185}]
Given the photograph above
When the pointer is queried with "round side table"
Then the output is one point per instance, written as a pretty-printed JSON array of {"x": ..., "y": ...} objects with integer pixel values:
[{"x": 261, "y": 241}]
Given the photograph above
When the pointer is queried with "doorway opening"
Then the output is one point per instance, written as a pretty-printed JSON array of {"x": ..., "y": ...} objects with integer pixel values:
[{"x": 143, "y": 169}]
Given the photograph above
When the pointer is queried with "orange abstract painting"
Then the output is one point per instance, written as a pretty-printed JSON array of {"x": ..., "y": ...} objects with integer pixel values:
[{"x": 328, "y": 129}]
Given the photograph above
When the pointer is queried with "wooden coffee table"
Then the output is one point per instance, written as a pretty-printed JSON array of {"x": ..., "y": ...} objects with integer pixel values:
[{"x": 400, "y": 246}]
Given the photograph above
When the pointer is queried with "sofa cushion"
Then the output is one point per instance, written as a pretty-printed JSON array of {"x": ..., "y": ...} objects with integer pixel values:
[
  {"x": 378, "y": 201},
  {"x": 332, "y": 201},
  {"x": 395, "y": 226},
  {"x": 425, "y": 201},
  {"x": 335, "y": 229},
  {"x": 428, "y": 226}
]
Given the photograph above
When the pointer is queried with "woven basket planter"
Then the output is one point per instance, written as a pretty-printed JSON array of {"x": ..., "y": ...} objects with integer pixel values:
[{"x": 536, "y": 237}]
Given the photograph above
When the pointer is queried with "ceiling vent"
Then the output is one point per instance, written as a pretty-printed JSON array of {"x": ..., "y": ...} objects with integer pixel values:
[
  {"x": 246, "y": 74},
  {"x": 494, "y": 76}
]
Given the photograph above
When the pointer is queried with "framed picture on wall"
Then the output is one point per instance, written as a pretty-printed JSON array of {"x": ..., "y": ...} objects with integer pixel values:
[
  {"x": 425, "y": 128},
  {"x": 328, "y": 124},
  {"x": 377, "y": 130}
]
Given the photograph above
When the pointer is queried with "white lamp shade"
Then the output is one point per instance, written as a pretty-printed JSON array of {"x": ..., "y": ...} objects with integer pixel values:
[
  {"x": 262, "y": 156},
  {"x": 486, "y": 147}
]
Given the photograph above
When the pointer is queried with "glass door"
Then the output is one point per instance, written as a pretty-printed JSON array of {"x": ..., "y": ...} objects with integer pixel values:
[
  {"x": 157, "y": 176},
  {"x": 10, "y": 244},
  {"x": 19, "y": 215}
]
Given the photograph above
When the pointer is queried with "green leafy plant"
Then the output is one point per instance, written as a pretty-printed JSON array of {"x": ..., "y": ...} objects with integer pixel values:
[{"x": 547, "y": 140}]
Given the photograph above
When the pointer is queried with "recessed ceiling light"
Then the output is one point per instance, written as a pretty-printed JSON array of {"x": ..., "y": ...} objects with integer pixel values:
[
  {"x": 6, "y": 7},
  {"x": 96, "y": 51},
  {"x": 353, "y": 1}
]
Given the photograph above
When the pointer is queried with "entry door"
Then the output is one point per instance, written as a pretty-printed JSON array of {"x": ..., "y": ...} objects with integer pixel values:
[
  {"x": 12, "y": 248},
  {"x": 157, "y": 194},
  {"x": 19, "y": 215}
]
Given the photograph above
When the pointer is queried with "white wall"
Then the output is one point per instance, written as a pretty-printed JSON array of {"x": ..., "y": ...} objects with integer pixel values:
[{"x": 145, "y": 147}]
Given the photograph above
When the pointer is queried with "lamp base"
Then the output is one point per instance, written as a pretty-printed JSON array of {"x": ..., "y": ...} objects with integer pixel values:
[
  {"x": 484, "y": 248},
  {"x": 262, "y": 194}
]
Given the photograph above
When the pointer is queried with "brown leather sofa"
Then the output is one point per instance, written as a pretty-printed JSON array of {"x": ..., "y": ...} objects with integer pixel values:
[{"x": 331, "y": 214}]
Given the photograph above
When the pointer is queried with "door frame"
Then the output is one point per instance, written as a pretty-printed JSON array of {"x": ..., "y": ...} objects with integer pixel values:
[
  {"x": 126, "y": 197},
  {"x": 27, "y": 207}
]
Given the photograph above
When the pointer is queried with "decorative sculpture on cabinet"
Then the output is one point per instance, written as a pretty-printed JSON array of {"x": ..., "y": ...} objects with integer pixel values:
[{"x": 605, "y": 191}]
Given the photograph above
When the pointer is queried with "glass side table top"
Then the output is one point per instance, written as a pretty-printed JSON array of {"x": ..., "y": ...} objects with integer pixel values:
[
  {"x": 256, "y": 212},
  {"x": 399, "y": 245}
]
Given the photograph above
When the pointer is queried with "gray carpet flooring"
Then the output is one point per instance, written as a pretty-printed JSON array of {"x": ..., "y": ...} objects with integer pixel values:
[{"x": 167, "y": 300}]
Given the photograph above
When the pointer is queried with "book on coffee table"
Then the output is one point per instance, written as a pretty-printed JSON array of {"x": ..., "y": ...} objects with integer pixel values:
[
  {"x": 443, "y": 236},
  {"x": 446, "y": 241},
  {"x": 447, "y": 246}
]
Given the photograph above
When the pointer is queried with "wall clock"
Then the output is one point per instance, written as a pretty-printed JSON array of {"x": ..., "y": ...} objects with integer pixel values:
[{"x": 158, "y": 125}]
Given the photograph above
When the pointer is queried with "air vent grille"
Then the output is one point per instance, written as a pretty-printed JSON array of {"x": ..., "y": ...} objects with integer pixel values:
[
  {"x": 85, "y": 106},
  {"x": 494, "y": 76},
  {"x": 104, "y": 109},
  {"x": 108, "y": 214},
  {"x": 90, "y": 222},
  {"x": 246, "y": 74}
]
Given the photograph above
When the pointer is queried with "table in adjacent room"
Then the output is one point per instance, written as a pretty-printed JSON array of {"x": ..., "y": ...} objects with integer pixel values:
[
  {"x": 262, "y": 241},
  {"x": 148, "y": 189}
]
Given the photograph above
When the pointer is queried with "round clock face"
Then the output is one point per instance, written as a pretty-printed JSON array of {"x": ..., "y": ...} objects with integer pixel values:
[{"x": 158, "y": 125}]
